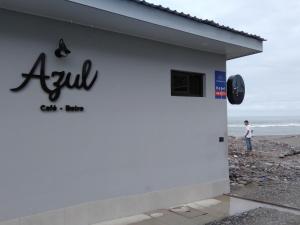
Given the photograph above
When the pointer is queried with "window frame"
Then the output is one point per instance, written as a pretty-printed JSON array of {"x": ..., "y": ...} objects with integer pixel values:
[{"x": 188, "y": 75}]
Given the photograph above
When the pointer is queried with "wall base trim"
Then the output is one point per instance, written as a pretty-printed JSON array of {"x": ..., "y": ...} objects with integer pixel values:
[{"x": 95, "y": 212}]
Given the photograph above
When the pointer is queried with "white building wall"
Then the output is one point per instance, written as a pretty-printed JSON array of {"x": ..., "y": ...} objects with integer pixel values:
[{"x": 133, "y": 138}]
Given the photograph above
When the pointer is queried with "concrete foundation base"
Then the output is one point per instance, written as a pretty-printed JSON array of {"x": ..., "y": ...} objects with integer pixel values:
[{"x": 94, "y": 212}]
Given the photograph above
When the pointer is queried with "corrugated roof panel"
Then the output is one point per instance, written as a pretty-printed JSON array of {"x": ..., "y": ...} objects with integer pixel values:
[{"x": 194, "y": 18}]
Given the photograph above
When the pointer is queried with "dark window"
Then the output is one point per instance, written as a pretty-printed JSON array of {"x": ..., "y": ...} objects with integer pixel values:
[{"x": 187, "y": 84}]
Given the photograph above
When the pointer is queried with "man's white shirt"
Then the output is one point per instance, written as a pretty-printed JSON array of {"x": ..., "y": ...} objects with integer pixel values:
[{"x": 249, "y": 134}]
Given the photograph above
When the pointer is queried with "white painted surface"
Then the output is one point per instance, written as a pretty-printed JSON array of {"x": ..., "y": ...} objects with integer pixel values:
[{"x": 134, "y": 137}]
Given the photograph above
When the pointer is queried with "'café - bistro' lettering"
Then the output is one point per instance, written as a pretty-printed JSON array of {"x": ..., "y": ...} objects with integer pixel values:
[{"x": 63, "y": 79}]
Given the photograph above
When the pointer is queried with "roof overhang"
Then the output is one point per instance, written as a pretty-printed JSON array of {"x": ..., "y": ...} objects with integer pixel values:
[{"x": 128, "y": 17}]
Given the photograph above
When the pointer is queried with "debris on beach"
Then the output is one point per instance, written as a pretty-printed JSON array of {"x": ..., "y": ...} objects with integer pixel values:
[
  {"x": 260, "y": 216},
  {"x": 271, "y": 174},
  {"x": 292, "y": 152},
  {"x": 271, "y": 160}
]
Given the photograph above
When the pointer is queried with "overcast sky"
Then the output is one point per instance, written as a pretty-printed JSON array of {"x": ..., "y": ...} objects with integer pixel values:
[{"x": 273, "y": 77}]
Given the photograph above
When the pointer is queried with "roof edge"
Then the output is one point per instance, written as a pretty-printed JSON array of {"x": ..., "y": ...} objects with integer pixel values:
[{"x": 196, "y": 19}]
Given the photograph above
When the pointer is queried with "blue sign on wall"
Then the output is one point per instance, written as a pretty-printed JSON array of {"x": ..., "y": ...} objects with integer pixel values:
[{"x": 220, "y": 85}]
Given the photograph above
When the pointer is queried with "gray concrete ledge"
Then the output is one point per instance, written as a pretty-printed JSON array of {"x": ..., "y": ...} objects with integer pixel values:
[{"x": 98, "y": 211}]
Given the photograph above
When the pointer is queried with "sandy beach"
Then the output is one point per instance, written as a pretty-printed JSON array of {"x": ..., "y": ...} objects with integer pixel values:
[
  {"x": 291, "y": 140},
  {"x": 271, "y": 174}
]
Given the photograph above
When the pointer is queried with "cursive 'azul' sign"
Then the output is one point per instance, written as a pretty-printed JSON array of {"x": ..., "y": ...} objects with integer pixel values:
[{"x": 59, "y": 79}]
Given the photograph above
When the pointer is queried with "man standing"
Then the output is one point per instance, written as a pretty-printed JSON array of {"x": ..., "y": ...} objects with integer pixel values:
[{"x": 248, "y": 136}]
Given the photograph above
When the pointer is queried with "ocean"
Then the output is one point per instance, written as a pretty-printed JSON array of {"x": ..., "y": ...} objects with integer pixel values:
[{"x": 262, "y": 125}]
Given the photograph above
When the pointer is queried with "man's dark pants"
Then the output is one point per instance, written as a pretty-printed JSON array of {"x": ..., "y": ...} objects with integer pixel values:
[{"x": 248, "y": 144}]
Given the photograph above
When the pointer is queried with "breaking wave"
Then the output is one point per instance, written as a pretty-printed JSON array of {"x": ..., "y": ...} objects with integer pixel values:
[{"x": 267, "y": 125}]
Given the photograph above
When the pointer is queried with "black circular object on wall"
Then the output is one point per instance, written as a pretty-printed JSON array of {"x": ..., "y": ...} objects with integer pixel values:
[{"x": 235, "y": 89}]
